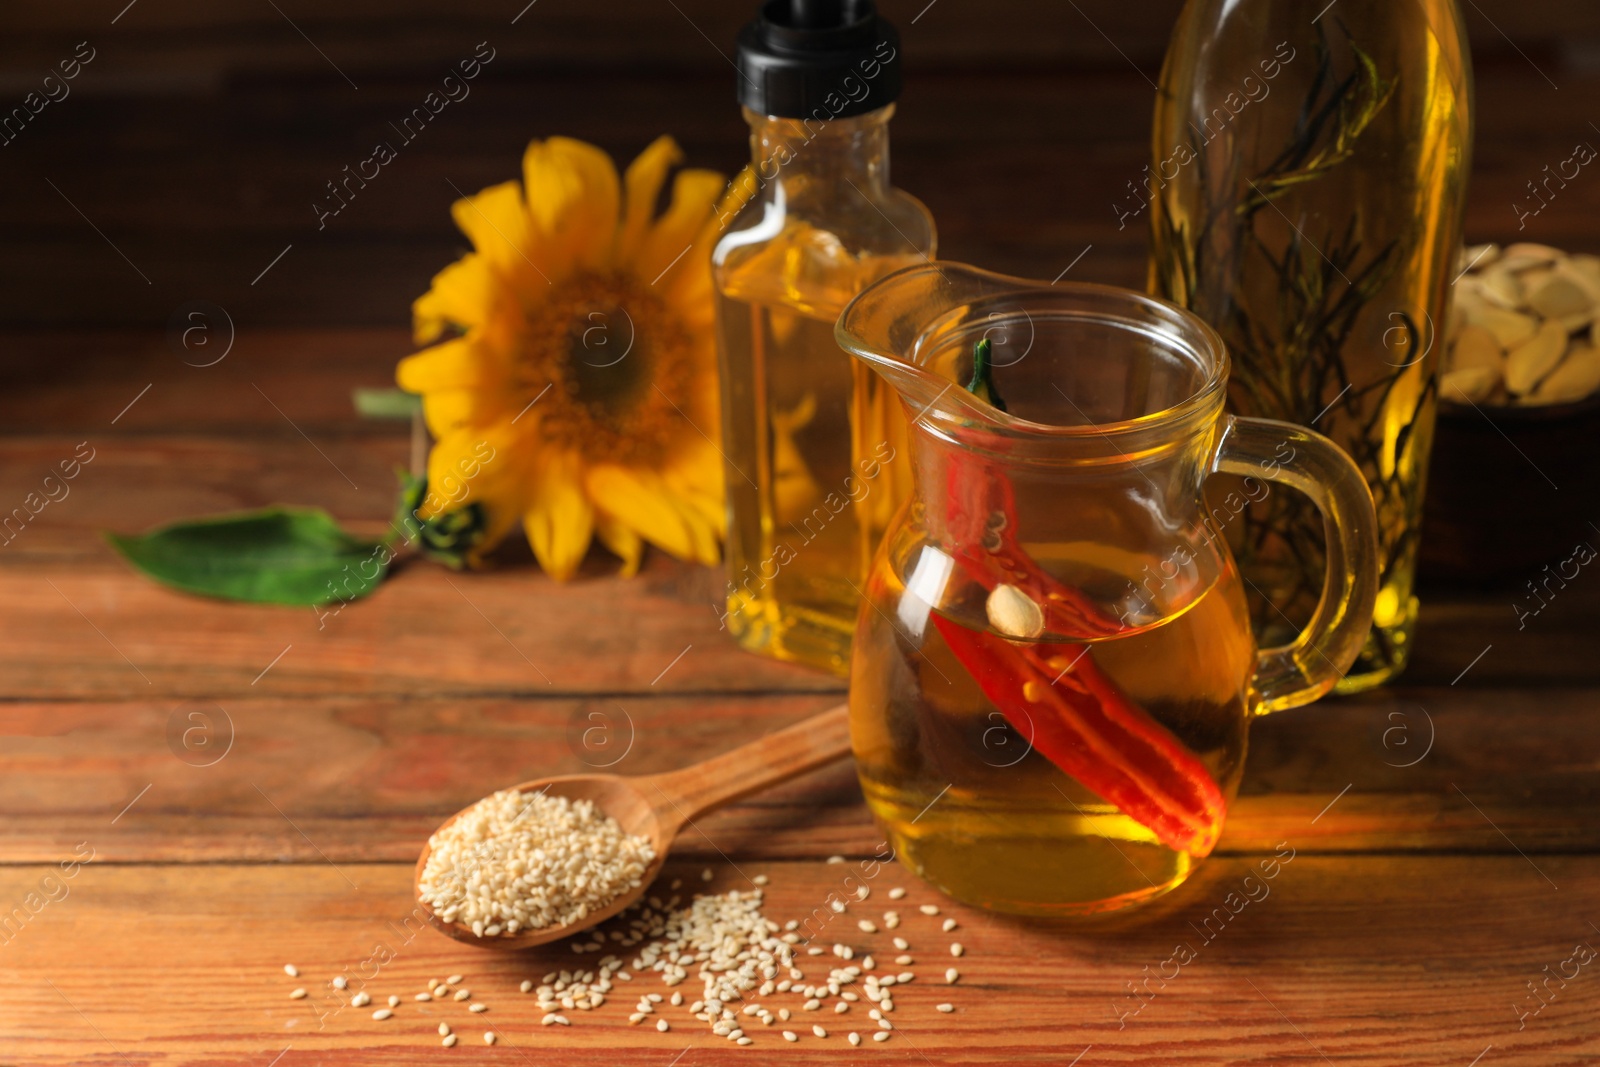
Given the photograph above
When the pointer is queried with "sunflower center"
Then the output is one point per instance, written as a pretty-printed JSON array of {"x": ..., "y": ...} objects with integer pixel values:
[{"x": 616, "y": 360}]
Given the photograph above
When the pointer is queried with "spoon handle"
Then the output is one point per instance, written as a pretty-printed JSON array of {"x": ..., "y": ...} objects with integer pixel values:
[{"x": 765, "y": 762}]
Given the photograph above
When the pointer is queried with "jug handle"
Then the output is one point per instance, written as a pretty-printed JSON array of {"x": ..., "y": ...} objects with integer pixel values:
[{"x": 1291, "y": 675}]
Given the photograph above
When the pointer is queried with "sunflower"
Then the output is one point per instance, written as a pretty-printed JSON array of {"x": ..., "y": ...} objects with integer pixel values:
[{"x": 571, "y": 385}]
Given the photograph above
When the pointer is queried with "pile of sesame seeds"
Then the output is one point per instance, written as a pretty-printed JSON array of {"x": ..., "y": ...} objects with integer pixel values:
[
  {"x": 516, "y": 861},
  {"x": 748, "y": 976}
]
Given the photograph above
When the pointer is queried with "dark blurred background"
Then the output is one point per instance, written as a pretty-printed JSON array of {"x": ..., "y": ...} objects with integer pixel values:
[{"x": 201, "y": 133}]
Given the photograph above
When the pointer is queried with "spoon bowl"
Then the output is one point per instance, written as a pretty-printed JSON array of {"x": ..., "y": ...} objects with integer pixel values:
[{"x": 657, "y": 806}]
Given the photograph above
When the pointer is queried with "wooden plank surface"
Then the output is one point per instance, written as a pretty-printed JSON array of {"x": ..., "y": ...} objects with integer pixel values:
[{"x": 1378, "y": 960}]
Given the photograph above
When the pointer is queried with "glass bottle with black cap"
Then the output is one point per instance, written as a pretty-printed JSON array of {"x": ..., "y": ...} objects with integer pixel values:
[{"x": 814, "y": 447}]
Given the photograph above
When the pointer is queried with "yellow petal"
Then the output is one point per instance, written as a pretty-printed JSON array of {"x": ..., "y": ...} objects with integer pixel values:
[
  {"x": 621, "y": 540},
  {"x": 485, "y": 464},
  {"x": 640, "y": 500},
  {"x": 643, "y": 182},
  {"x": 457, "y": 364},
  {"x": 558, "y": 519},
  {"x": 573, "y": 197},
  {"x": 462, "y": 294},
  {"x": 496, "y": 222},
  {"x": 669, "y": 244}
]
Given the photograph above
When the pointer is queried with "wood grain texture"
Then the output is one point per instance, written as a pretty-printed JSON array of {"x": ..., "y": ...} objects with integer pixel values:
[
  {"x": 365, "y": 779},
  {"x": 1379, "y": 960}
]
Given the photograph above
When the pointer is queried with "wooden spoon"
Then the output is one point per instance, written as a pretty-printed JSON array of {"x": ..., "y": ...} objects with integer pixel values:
[{"x": 657, "y": 806}]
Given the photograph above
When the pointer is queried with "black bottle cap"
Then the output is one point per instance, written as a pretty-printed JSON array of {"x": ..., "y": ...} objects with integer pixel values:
[{"x": 818, "y": 59}]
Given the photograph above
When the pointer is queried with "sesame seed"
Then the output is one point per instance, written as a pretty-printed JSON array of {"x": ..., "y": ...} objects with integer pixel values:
[
  {"x": 360, "y": 1000},
  {"x": 489, "y": 1037},
  {"x": 901, "y": 943},
  {"x": 952, "y": 975},
  {"x": 477, "y": 1007},
  {"x": 454, "y": 979},
  {"x": 881, "y": 1035},
  {"x": 463, "y": 994},
  {"x": 444, "y": 1029},
  {"x": 929, "y": 909},
  {"x": 854, "y": 1038},
  {"x": 896, "y": 893},
  {"x": 946, "y": 1008},
  {"x": 891, "y": 919},
  {"x": 841, "y": 1007},
  {"x": 745, "y": 1041},
  {"x": 869, "y": 964},
  {"x": 868, "y": 926},
  {"x": 394, "y": 1001},
  {"x": 903, "y": 960},
  {"x": 813, "y": 1004},
  {"x": 382, "y": 1014},
  {"x": 885, "y": 1024},
  {"x": 956, "y": 949},
  {"x": 527, "y": 984},
  {"x": 291, "y": 970},
  {"x": 663, "y": 1026},
  {"x": 759, "y": 879},
  {"x": 423, "y": 996},
  {"x": 339, "y": 982},
  {"x": 819, "y": 1031},
  {"x": 570, "y": 859},
  {"x": 790, "y": 1035},
  {"x": 449, "y": 1041},
  {"x": 949, "y": 924},
  {"x": 835, "y": 859},
  {"x": 863, "y": 892}
]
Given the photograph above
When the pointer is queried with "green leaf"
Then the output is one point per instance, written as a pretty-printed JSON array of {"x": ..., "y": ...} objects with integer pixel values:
[{"x": 295, "y": 556}]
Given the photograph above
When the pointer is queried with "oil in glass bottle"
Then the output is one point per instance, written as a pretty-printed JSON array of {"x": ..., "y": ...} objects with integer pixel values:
[
  {"x": 1306, "y": 199},
  {"x": 814, "y": 446}
]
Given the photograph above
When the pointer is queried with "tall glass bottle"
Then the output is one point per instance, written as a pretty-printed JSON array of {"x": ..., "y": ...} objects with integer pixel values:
[
  {"x": 814, "y": 446},
  {"x": 1306, "y": 199}
]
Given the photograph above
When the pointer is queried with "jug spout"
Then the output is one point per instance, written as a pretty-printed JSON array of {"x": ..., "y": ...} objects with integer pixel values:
[{"x": 905, "y": 327}]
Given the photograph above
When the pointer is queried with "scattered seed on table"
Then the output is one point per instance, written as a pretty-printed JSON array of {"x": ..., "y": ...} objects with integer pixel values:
[
  {"x": 527, "y": 985},
  {"x": 929, "y": 909},
  {"x": 901, "y": 943},
  {"x": 298, "y": 994},
  {"x": 790, "y": 1035},
  {"x": 863, "y": 892},
  {"x": 881, "y": 1035},
  {"x": 454, "y": 979},
  {"x": 663, "y": 1026},
  {"x": 360, "y": 1000},
  {"x": 394, "y": 1001},
  {"x": 946, "y": 1008},
  {"x": 905, "y": 976},
  {"x": 423, "y": 996},
  {"x": 744, "y": 1041},
  {"x": 869, "y": 964},
  {"x": 444, "y": 1029},
  {"x": 903, "y": 960},
  {"x": 949, "y": 924},
  {"x": 854, "y": 1038},
  {"x": 677, "y": 999},
  {"x": 885, "y": 1024},
  {"x": 841, "y": 1007},
  {"x": 463, "y": 994},
  {"x": 956, "y": 949},
  {"x": 489, "y": 1037},
  {"x": 835, "y": 859},
  {"x": 382, "y": 1014},
  {"x": 891, "y": 919},
  {"x": 759, "y": 879},
  {"x": 852, "y": 997},
  {"x": 449, "y": 1041},
  {"x": 477, "y": 1007},
  {"x": 705, "y": 875},
  {"x": 819, "y": 1031},
  {"x": 896, "y": 893},
  {"x": 339, "y": 982},
  {"x": 291, "y": 970},
  {"x": 868, "y": 926}
]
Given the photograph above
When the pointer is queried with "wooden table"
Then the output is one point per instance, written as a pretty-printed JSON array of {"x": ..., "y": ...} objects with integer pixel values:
[
  {"x": 235, "y": 788},
  {"x": 246, "y": 787}
]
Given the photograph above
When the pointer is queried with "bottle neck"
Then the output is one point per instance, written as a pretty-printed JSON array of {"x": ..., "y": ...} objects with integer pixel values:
[{"x": 821, "y": 153}]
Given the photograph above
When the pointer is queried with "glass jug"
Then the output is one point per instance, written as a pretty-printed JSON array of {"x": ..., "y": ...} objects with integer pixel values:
[{"x": 1053, "y": 672}]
